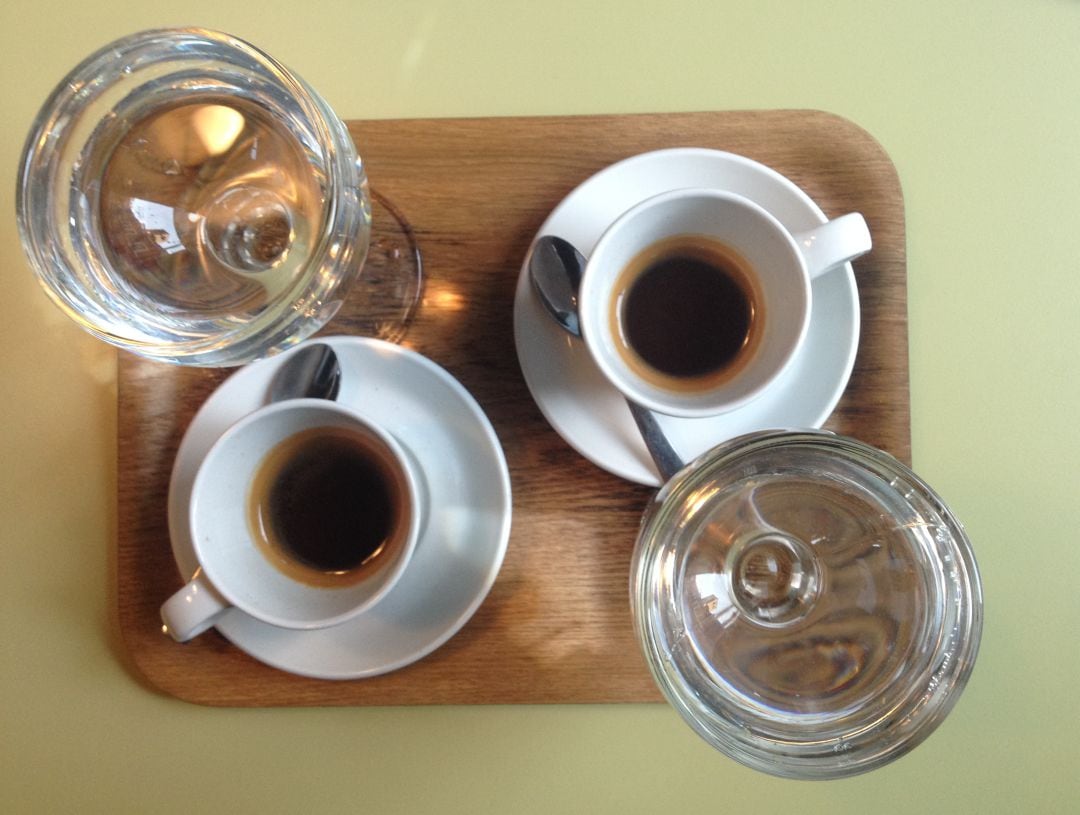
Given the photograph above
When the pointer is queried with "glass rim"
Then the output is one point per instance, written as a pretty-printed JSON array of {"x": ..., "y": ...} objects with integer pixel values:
[
  {"x": 738, "y": 732},
  {"x": 52, "y": 130}
]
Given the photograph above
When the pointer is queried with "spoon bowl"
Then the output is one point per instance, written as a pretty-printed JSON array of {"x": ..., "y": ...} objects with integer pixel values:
[{"x": 311, "y": 371}]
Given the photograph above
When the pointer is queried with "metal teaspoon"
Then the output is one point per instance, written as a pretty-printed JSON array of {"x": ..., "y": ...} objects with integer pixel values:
[
  {"x": 555, "y": 268},
  {"x": 311, "y": 372}
]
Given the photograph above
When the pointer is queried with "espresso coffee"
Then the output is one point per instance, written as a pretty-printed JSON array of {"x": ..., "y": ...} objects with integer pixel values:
[
  {"x": 686, "y": 312},
  {"x": 328, "y": 505}
]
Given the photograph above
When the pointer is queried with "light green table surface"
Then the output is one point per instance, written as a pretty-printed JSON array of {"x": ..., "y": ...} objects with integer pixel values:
[{"x": 978, "y": 104}]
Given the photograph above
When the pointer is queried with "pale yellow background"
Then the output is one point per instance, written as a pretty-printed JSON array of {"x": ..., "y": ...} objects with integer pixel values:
[{"x": 977, "y": 102}]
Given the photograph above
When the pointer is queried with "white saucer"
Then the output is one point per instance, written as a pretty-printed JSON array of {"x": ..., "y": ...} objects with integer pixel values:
[
  {"x": 460, "y": 550},
  {"x": 589, "y": 413}
]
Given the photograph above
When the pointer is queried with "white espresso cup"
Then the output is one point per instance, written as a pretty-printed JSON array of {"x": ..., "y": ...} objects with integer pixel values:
[
  {"x": 303, "y": 514},
  {"x": 695, "y": 300}
]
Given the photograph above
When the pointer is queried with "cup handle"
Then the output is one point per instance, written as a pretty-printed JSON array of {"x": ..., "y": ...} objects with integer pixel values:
[
  {"x": 834, "y": 243},
  {"x": 193, "y": 609}
]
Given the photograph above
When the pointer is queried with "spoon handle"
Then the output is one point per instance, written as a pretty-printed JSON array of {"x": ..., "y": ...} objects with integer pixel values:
[{"x": 665, "y": 458}]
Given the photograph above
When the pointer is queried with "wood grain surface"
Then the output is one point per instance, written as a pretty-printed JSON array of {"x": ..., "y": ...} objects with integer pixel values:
[{"x": 556, "y": 626}]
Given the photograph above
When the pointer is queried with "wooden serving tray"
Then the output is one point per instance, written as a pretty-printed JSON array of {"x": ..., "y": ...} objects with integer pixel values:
[{"x": 556, "y": 626}]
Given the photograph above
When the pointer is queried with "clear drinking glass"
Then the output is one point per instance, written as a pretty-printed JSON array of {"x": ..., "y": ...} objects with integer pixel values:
[
  {"x": 806, "y": 602},
  {"x": 184, "y": 196}
]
